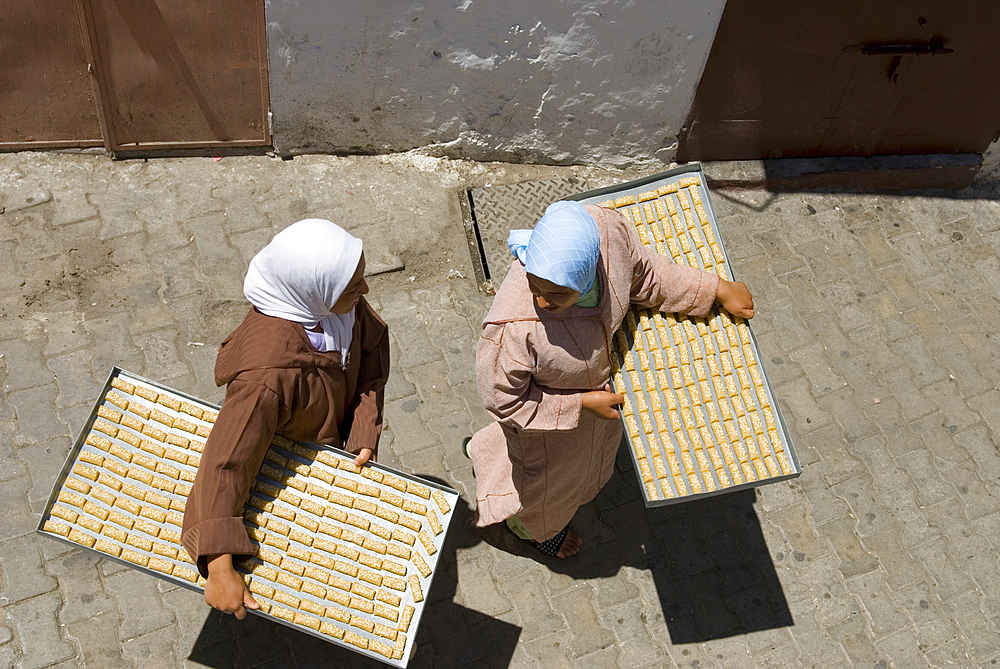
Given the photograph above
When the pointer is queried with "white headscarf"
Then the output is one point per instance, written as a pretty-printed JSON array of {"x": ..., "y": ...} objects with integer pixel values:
[{"x": 302, "y": 273}]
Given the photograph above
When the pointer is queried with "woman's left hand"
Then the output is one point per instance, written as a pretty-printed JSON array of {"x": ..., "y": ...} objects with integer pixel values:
[
  {"x": 603, "y": 403},
  {"x": 364, "y": 455},
  {"x": 735, "y": 298}
]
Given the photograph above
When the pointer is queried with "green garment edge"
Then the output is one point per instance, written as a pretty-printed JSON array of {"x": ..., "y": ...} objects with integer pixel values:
[
  {"x": 591, "y": 298},
  {"x": 518, "y": 528}
]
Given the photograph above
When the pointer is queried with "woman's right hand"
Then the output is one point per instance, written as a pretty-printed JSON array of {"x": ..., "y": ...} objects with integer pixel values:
[
  {"x": 225, "y": 589},
  {"x": 603, "y": 403},
  {"x": 735, "y": 298}
]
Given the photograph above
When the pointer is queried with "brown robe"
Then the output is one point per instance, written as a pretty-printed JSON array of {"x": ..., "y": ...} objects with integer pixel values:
[
  {"x": 545, "y": 456},
  {"x": 280, "y": 384}
]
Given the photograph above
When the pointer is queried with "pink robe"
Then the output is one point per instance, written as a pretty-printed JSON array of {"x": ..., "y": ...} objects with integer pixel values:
[{"x": 545, "y": 456}]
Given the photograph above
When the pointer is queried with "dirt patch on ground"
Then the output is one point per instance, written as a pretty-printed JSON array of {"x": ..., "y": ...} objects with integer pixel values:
[{"x": 56, "y": 266}]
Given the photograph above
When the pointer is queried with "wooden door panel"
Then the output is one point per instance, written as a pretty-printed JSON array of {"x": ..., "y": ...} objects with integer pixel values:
[
  {"x": 799, "y": 78},
  {"x": 865, "y": 103},
  {"x": 48, "y": 98},
  {"x": 175, "y": 73}
]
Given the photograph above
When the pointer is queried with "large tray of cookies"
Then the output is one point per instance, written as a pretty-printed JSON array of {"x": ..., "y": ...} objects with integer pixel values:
[
  {"x": 699, "y": 411},
  {"x": 342, "y": 553}
]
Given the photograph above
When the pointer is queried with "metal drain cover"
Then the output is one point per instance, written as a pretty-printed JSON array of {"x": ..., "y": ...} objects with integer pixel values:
[{"x": 496, "y": 210}]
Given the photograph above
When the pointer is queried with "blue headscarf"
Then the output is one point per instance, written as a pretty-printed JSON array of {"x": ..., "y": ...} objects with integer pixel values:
[{"x": 563, "y": 248}]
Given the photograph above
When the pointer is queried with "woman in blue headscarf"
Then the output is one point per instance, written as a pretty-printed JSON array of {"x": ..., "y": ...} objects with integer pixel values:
[{"x": 543, "y": 364}]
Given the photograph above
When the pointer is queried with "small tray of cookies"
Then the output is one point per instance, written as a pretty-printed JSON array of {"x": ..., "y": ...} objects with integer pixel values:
[
  {"x": 699, "y": 411},
  {"x": 341, "y": 552}
]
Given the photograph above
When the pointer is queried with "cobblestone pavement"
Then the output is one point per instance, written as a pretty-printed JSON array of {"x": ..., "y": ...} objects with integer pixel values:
[{"x": 878, "y": 323}]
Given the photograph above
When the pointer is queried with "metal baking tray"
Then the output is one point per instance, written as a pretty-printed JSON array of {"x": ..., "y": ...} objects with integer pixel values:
[
  {"x": 693, "y": 431},
  {"x": 331, "y": 540}
]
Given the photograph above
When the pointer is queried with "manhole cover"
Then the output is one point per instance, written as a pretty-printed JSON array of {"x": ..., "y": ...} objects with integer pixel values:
[{"x": 496, "y": 210}]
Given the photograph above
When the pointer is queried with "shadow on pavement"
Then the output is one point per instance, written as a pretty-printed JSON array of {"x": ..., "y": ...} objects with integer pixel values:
[
  {"x": 713, "y": 572},
  {"x": 449, "y": 635}
]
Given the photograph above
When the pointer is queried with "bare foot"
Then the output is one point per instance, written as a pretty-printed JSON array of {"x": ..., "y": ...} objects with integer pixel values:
[{"x": 570, "y": 546}]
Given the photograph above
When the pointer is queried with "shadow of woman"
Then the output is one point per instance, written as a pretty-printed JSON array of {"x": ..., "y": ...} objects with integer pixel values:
[
  {"x": 448, "y": 635},
  {"x": 713, "y": 573}
]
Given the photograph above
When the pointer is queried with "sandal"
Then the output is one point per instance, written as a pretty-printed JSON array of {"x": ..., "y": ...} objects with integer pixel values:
[{"x": 552, "y": 546}]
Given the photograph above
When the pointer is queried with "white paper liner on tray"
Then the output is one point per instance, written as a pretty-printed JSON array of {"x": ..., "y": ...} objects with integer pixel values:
[
  {"x": 342, "y": 553},
  {"x": 699, "y": 412}
]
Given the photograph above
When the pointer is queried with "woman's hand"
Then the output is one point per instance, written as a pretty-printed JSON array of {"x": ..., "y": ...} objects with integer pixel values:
[
  {"x": 603, "y": 403},
  {"x": 735, "y": 298},
  {"x": 225, "y": 589},
  {"x": 364, "y": 455}
]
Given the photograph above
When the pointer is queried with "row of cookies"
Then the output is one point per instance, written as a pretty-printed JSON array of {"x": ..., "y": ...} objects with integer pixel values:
[
  {"x": 689, "y": 430},
  {"x": 122, "y": 526},
  {"x": 662, "y": 191},
  {"x": 150, "y": 395},
  {"x": 178, "y": 425},
  {"x": 311, "y": 564},
  {"x": 113, "y": 538},
  {"x": 725, "y": 357},
  {"x": 661, "y": 447},
  {"x": 328, "y": 603},
  {"x": 360, "y": 488},
  {"x": 360, "y": 551},
  {"x": 134, "y": 547},
  {"x": 314, "y": 581},
  {"x": 133, "y": 497},
  {"x": 185, "y": 419},
  {"x": 142, "y": 464},
  {"x": 672, "y": 227},
  {"x": 726, "y": 390},
  {"x": 689, "y": 416},
  {"x": 337, "y": 465},
  {"x": 322, "y": 512},
  {"x": 336, "y": 623},
  {"x": 686, "y": 241},
  {"x": 317, "y": 497},
  {"x": 739, "y": 356},
  {"x": 346, "y": 496},
  {"x": 679, "y": 367}
]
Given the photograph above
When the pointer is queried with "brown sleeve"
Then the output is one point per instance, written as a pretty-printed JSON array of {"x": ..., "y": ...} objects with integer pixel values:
[
  {"x": 364, "y": 411},
  {"x": 213, "y": 518}
]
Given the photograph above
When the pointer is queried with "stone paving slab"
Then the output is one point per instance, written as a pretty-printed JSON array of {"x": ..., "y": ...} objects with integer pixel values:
[{"x": 878, "y": 315}]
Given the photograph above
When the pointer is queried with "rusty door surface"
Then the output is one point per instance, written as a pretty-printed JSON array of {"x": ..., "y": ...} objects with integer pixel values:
[
  {"x": 180, "y": 74},
  {"x": 798, "y": 78},
  {"x": 46, "y": 96}
]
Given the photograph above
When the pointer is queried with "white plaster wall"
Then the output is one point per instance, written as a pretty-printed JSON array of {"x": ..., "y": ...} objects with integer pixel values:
[
  {"x": 577, "y": 81},
  {"x": 989, "y": 173}
]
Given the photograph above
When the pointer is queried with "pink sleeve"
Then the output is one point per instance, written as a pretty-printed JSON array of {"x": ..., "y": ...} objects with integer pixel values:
[
  {"x": 660, "y": 283},
  {"x": 505, "y": 364}
]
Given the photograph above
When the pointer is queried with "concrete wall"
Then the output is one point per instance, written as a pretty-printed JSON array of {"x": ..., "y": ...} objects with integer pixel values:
[
  {"x": 989, "y": 174},
  {"x": 574, "y": 81}
]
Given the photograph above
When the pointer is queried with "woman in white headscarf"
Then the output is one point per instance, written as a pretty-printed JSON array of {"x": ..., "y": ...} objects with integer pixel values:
[
  {"x": 309, "y": 362},
  {"x": 543, "y": 364}
]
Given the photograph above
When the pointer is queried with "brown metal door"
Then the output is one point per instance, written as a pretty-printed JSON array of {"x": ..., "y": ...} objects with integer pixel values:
[
  {"x": 798, "y": 78},
  {"x": 180, "y": 74},
  {"x": 46, "y": 95}
]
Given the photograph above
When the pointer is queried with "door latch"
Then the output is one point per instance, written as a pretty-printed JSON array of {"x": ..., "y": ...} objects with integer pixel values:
[
  {"x": 933, "y": 47},
  {"x": 897, "y": 50}
]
